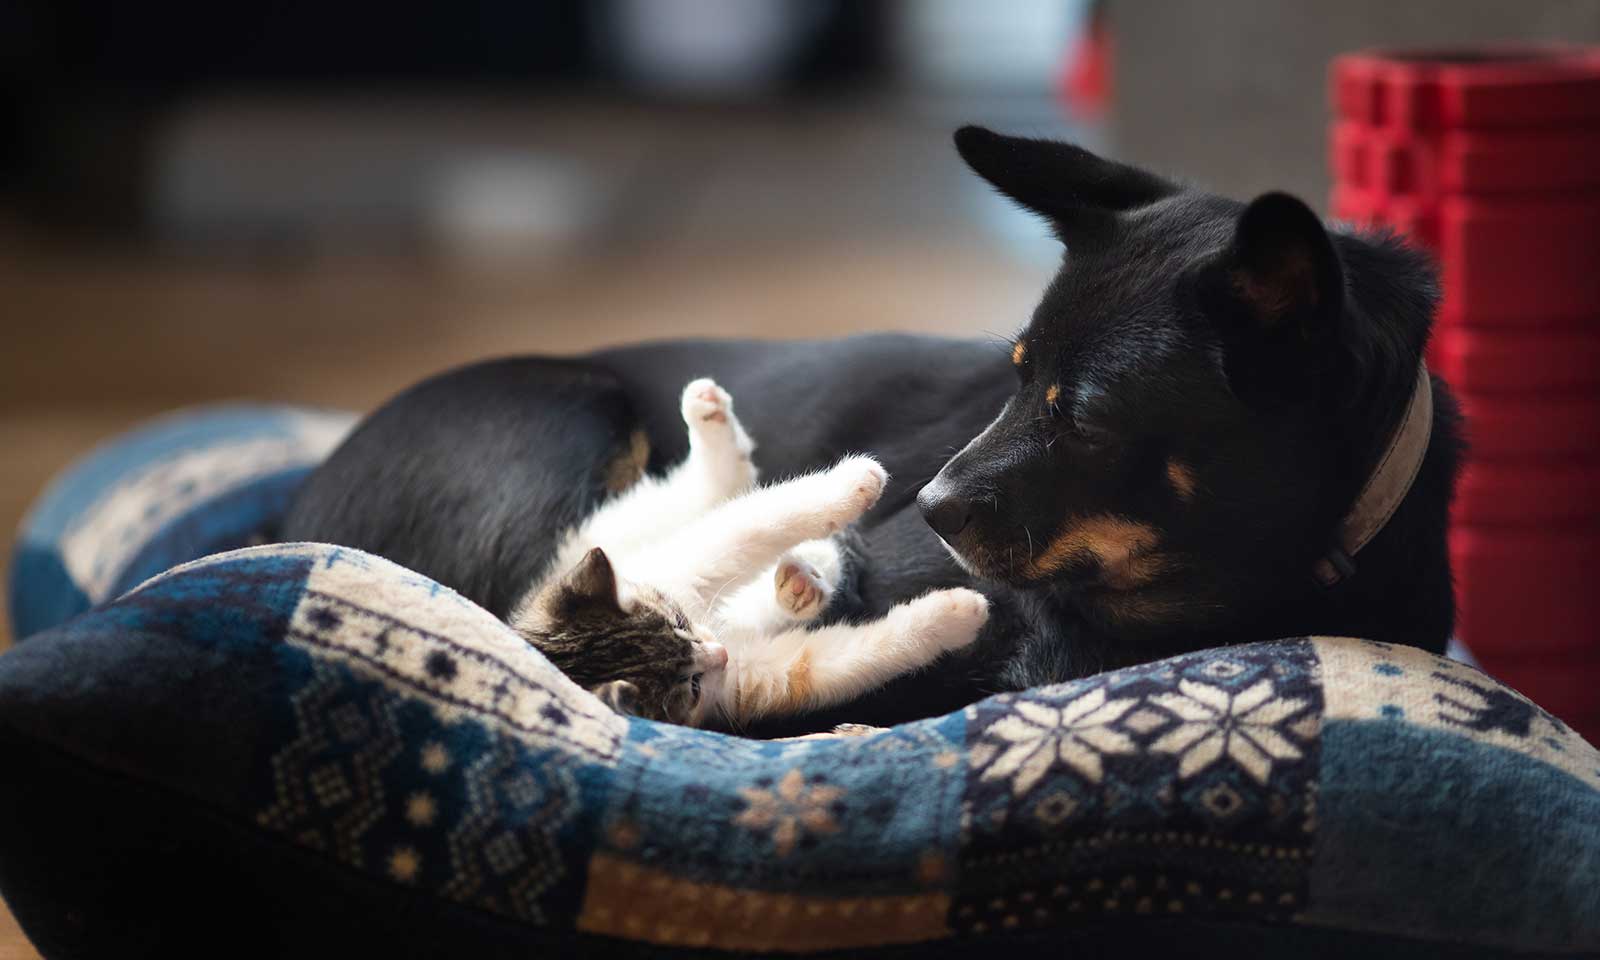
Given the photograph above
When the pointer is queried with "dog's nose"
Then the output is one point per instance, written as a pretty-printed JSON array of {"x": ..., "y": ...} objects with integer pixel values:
[{"x": 946, "y": 515}]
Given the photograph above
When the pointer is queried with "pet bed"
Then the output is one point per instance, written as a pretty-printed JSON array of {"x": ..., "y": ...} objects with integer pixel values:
[{"x": 299, "y": 748}]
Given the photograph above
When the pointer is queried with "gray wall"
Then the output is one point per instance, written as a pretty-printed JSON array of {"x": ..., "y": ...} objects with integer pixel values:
[{"x": 1232, "y": 94}]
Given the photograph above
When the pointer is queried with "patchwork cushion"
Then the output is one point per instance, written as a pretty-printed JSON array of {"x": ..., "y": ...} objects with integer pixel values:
[{"x": 302, "y": 748}]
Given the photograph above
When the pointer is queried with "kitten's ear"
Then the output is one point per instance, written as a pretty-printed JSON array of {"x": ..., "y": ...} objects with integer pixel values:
[
  {"x": 620, "y": 695},
  {"x": 592, "y": 581},
  {"x": 589, "y": 587},
  {"x": 1066, "y": 183}
]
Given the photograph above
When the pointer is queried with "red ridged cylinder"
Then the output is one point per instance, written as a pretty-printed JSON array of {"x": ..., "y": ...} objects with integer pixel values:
[{"x": 1490, "y": 159}]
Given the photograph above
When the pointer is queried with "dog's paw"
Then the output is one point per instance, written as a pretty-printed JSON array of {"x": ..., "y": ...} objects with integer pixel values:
[
  {"x": 799, "y": 588},
  {"x": 949, "y": 619},
  {"x": 859, "y": 482}
]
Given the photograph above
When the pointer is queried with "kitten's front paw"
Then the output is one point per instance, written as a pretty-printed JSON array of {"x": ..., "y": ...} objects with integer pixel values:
[
  {"x": 952, "y": 618},
  {"x": 705, "y": 402},
  {"x": 799, "y": 588},
  {"x": 861, "y": 481}
]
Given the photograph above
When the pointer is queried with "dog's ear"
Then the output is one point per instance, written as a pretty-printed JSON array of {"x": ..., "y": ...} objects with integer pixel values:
[
  {"x": 1066, "y": 183},
  {"x": 1275, "y": 292},
  {"x": 1281, "y": 271}
]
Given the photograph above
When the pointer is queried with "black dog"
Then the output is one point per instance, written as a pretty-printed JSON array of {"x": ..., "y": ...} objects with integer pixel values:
[{"x": 1184, "y": 425}]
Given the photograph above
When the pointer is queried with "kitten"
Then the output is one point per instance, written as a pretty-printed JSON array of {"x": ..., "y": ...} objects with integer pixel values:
[{"x": 687, "y": 598}]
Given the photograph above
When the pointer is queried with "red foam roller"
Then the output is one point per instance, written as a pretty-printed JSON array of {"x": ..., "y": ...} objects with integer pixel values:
[
  {"x": 1431, "y": 164},
  {"x": 1502, "y": 262},
  {"x": 1499, "y": 87},
  {"x": 1533, "y": 428},
  {"x": 1520, "y": 258},
  {"x": 1410, "y": 217},
  {"x": 1523, "y": 494},
  {"x": 1485, "y": 360},
  {"x": 1526, "y": 592}
]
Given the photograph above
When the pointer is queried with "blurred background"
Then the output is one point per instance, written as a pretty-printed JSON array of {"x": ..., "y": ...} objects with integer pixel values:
[{"x": 319, "y": 203}]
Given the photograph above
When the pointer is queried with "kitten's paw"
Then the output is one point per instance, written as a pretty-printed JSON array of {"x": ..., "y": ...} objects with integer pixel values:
[
  {"x": 840, "y": 730},
  {"x": 799, "y": 588},
  {"x": 705, "y": 402},
  {"x": 716, "y": 432},
  {"x": 952, "y": 618},
  {"x": 861, "y": 481},
  {"x": 856, "y": 730}
]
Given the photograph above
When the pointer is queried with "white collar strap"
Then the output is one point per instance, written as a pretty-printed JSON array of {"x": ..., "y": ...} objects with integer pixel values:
[{"x": 1389, "y": 483}]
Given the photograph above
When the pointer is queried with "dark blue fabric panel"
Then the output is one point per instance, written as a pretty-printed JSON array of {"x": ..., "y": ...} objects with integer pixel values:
[
  {"x": 1423, "y": 831},
  {"x": 42, "y": 592}
]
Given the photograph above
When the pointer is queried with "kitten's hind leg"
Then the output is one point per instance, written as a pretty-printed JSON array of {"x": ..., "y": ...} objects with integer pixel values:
[
  {"x": 717, "y": 468},
  {"x": 795, "y": 590},
  {"x": 719, "y": 447},
  {"x": 805, "y": 578}
]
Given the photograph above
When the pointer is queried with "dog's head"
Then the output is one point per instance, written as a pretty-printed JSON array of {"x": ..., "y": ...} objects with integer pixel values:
[{"x": 1196, "y": 393}]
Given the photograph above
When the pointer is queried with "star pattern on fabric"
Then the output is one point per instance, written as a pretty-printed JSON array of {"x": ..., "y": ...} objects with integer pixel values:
[
  {"x": 1213, "y": 723},
  {"x": 1035, "y": 737},
  {"x": 790, "y": 809}
]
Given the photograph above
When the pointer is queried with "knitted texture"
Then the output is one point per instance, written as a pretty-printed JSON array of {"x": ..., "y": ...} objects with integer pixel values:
[{"x": 346, "y": 724}]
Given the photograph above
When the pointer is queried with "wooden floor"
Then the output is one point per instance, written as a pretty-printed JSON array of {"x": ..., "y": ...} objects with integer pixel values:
[{"x": 96, "y": 341}]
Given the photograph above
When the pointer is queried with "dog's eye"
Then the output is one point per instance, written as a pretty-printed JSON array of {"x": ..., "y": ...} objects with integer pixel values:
[{"x": 1089, "y": 434}]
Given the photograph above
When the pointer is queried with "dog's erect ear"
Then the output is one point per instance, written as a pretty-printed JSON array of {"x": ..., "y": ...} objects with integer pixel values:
[
  {"x": 1282, "y": 270},
  {"x": 1068, "y": 184},
  {"x": 1275, "y": 294},
  {"x": 620, "y": 695}
]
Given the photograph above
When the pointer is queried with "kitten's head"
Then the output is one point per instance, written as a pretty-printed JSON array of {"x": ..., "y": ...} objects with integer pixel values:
[{"x": 630, "y": 645}]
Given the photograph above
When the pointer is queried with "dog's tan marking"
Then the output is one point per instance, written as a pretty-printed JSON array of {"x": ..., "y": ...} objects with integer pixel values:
[
  {"x": 1121, "y": 547},
  {"x": 628, "y": 467},
  {"x": 1052, "y": 395},
  {"x": 1134, "y": 607},
  {"x": 1181, "y": 476},
  {"x": 1019, "y": 352}
]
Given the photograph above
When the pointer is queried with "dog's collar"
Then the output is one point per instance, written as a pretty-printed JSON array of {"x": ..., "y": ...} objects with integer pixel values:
[{"x": 1390, "y": 482}]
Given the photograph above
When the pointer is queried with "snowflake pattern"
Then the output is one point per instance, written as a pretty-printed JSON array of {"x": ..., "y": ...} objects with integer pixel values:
[
  {"x": 791, "y": 809},
  {"x": 1244, "y": 727},
  {"x": 1024, "y": 745},
  {"x": 1215, "y": 751}
]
